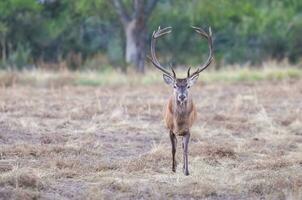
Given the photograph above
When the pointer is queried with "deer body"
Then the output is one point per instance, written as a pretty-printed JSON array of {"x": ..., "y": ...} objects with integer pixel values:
[
  {"x": 179, "y": 118},
  {"x": 180, "y": 112}
]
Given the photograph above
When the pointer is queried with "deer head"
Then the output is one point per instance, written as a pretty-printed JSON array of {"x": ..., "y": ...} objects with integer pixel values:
[{"x": 181, "y": 85}]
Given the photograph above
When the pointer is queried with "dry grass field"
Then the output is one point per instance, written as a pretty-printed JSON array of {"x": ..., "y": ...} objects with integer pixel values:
[{"x": 98, "y": 141}]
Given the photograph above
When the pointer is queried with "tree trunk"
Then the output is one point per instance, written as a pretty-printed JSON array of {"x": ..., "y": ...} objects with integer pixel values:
[
  {"x": 135, "y": 30},
  {"x": 3, "y": 49},
  {"x": 135, "y": 44}
]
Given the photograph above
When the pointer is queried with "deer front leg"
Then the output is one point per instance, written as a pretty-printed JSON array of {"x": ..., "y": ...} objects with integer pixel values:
[
  {"x": 173, "y": 143},
  {"x": 185, "y": 144}
]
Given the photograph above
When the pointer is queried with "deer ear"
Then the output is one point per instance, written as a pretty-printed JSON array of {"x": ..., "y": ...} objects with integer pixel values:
[
  {"x": 168, "y": 79},
  {"x": 193, "y": 79}
]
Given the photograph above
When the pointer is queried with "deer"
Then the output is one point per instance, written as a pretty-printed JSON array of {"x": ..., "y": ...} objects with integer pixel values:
[{"x": 180, "y": 112}]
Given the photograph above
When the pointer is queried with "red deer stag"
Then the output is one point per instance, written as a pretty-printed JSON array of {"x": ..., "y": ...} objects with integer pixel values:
[{"x": 180, "y": 113}]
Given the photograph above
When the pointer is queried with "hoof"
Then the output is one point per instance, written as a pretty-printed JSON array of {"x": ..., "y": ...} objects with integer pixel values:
[
  {"x": 173, "y": 169},
  {"x": 186, "y": 172}
]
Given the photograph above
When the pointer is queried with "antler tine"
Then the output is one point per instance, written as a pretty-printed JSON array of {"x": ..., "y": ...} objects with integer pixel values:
[
  {"x": 188, "y": 73},
  {"x": 160, "y": 32},
  {"x": 174, "y": 74},
  {"x": 208, "y": 36},
  {"x": 156, "y": 34}
]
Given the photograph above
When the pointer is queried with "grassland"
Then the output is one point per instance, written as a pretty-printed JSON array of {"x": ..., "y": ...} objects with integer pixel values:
[
  {"x": 101, "y": 136},
  {"x": 232, "y": 74}
]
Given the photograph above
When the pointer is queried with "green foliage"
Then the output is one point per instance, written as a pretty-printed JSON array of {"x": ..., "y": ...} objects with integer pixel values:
[
  {"x": 115, "y": 52},
  {"x": 244, "y": 31},
  {"x": 20, "y": 57}
]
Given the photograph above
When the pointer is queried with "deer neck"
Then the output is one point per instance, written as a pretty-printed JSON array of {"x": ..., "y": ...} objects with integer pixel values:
[{"x": 181, "y": 108}]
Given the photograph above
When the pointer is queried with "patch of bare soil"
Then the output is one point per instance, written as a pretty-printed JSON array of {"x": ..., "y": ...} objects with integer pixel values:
[{"x": 99, "y": 143}]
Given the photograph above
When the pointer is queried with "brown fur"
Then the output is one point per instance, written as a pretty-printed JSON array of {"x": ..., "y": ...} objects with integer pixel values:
[{"x": 179, "y": 118}]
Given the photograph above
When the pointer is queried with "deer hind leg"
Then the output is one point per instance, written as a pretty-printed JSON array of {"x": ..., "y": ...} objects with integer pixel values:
[
  {"x": 183, "y": 148},
  {"x": 185, "y": 144},
  {"x": 173, "y": 143}
]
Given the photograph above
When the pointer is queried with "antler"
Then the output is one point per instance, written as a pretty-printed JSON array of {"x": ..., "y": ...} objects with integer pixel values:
[
  {"x": 208, "y": 36},
  {"x": 156, "y": 34}
]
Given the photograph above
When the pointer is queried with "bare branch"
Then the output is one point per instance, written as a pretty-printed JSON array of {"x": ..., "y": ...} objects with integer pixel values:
[
  {"x": 142, "y": 9},
  {"x": 121, "y": 11},
  {"x": 139, "y": 10}
]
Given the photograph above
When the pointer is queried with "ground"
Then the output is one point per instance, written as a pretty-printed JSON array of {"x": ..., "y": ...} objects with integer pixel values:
[{"x": 109, "y": 142}]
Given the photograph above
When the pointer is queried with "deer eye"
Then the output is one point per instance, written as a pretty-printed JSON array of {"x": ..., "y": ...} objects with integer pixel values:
[
  {"x": 174, "y": 86},
  {"x": 188, "y": 86}
]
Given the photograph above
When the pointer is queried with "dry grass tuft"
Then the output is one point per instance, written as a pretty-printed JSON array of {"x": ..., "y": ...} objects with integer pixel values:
[
  {"x": 156, "y": 159},
  {"x": 18, "y": 194},
  {"x": 214, "y": 151},
  {"x": 62, "y": 140},
  {"x": 8, "y": 79},
  {"x": 20, "y": 178}
]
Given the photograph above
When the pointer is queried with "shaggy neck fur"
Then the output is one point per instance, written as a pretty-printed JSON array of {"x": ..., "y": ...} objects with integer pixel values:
[{"x": 181, "y": 108}]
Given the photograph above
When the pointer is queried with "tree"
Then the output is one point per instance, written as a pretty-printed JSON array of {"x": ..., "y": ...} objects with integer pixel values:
[
  {"x": 135, "y": 29},
  {"x": 3, "y": 32}
]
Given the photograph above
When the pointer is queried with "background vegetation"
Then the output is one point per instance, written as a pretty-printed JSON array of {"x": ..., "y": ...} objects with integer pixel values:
[
  {"x": 74, "y": 126},
  {"x": 88, "y": 34}
]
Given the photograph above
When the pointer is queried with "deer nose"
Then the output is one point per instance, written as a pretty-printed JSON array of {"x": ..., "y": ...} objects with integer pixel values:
[{"x": 182, "y": 97}]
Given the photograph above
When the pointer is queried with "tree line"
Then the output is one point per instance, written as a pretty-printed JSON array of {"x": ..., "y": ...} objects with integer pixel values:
[{"x": 33, "y": 32}]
